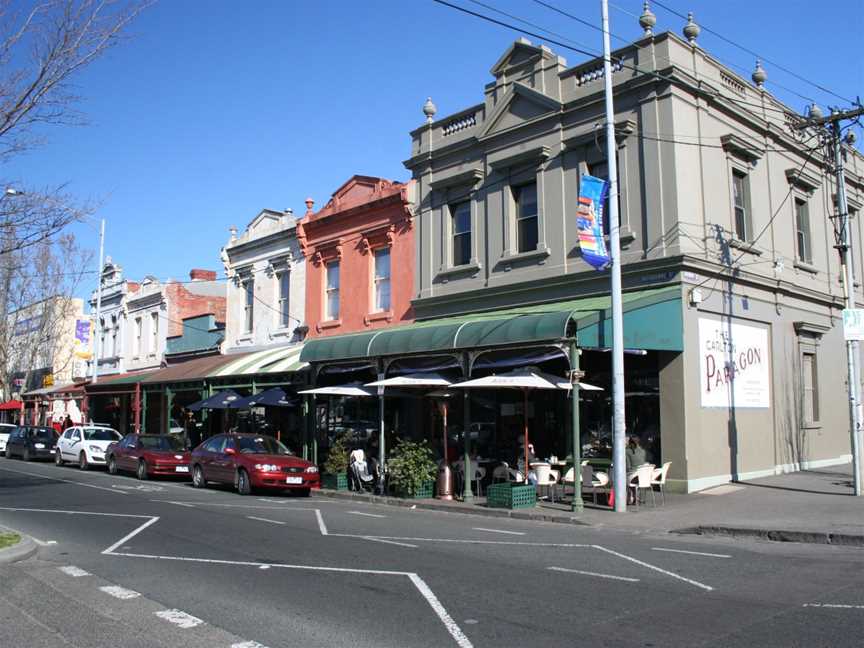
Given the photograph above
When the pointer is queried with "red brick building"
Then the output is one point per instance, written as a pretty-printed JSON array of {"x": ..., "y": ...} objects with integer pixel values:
[
  {"x": 203, "y": 295},
  {"x": 359, "y": 257}
]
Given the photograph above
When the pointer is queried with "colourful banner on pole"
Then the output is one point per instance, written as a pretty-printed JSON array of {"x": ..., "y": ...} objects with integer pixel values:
[
  {"x": 589, "y": 221},
  {"x": 82, "y": 339}
]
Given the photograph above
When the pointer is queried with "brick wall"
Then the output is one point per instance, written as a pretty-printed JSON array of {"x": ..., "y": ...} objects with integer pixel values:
[{"x": 183, "y": 303}]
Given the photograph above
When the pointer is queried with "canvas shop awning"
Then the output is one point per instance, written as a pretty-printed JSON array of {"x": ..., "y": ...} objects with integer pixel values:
[
  {"x": 269, "y": 361},
  {"x": 653, "y": 320}
]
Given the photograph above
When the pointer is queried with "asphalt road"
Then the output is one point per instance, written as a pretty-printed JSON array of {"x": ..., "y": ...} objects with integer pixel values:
[{"x": 129, "y": 563}]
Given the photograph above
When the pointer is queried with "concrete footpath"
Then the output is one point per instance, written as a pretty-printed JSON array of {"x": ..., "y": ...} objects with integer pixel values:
[{"x": 814, "y": 506}]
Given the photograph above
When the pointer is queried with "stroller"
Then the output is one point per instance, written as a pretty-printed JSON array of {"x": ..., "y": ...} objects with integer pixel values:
[{"x": 362, "y": 473}]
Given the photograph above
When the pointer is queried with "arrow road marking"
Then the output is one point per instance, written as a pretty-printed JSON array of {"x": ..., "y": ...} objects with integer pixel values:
[{"x": 707, "y": 588}]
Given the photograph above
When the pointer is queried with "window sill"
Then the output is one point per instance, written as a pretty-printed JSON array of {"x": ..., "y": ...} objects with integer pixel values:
[
  {"x": 379, "y": 316},
  {"x": 744, "y": 246},
  {"x": 329, "y": 324},
  {"x": 281, "y": 332},
  {"x": 541, "y": 253},
  {"x": 625, "y": 237},
  {"x": 466, "y": 268},
  {"x": 806, "y": 267},
  {"x": 812, "y": 426}
]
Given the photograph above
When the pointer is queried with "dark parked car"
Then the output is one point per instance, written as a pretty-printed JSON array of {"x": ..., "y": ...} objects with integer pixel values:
[
  {"x": 148, "y": 455},
  {"x": 31, "y": 442},
  {"x": 251, "y": 461}
]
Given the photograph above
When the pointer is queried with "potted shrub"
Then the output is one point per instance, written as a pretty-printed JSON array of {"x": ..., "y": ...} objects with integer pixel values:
[
  {"x": 335, "y": 475},
  {"x": 412, "y": 469}
]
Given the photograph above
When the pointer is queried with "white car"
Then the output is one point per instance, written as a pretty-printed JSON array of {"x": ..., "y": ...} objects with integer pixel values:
[
  {"x": 5, "y": 430},
  {"x": 85, "y": 445}
]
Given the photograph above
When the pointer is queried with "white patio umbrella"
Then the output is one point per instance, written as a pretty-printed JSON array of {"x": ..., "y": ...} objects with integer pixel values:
[
  {"x": 348, "y": 389},
  {"x": 525, "y": 379}
]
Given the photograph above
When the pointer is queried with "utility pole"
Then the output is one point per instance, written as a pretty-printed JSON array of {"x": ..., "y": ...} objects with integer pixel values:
[
  {"x": 619, "y": 429},
  {"x": 96, "y": 331},
  {"x": 844, "y": 246}
]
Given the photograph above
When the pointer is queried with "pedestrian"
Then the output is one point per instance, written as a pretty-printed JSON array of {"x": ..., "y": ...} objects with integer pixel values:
[
  {"x": 67, "y": 422},
  {"x": 190, "y": 427}
]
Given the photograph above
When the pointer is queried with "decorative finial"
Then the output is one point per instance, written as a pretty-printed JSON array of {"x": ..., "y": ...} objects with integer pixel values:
[
  {"x": 429, "y": 110},
  {"x": 309, "y": 204},
  {"x": 814, "y": 112},
  {"x": 691, "y": 29},
  {"x": 647, "y": 20},
  {"x": 233, "y": 231},
  {"x": 759, "y": 75}
]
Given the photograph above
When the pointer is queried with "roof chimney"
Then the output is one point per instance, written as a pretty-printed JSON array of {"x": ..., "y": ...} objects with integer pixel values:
[{"x": 197, "y": 274}]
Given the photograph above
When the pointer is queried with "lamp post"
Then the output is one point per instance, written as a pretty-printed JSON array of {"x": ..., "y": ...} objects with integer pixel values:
[{"x": 96, "y": 345}]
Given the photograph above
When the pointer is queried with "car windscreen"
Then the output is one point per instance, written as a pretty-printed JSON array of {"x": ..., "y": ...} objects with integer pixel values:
[
  {"x": 261, "y": 445},
  {"x": 101, "y": 434},
  {"x": 161, "y": 443}
]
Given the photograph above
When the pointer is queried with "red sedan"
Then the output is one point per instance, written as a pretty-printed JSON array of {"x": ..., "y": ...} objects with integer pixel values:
[
  {"x": 148, "y": 455},
  {"x": 250, "y": 461}
]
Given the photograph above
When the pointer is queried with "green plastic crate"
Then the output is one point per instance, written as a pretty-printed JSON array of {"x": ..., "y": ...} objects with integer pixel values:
[
  {"x": 338, "y": 482},
  {"x": 426, "y": 491},
  {"x": 511, "y": 496}
]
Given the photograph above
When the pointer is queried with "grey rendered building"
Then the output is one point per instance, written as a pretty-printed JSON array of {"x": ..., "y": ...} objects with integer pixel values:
[{"x": 726, "y": 212}]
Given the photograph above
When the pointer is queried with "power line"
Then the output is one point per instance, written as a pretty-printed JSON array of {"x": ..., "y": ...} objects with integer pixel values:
[
  {"x": 756, "y": 54},
  {"x": 616, "y": 61}
]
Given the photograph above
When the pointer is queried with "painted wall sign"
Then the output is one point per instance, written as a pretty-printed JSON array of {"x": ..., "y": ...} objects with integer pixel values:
[{"x": 734, "y": 365}]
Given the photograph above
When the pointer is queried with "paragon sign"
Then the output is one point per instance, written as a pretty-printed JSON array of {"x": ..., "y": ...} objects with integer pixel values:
[{"x": 734, "y": 365}]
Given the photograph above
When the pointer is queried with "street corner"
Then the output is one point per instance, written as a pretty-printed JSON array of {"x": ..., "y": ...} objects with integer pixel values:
[{"x": 16, "y": 550}]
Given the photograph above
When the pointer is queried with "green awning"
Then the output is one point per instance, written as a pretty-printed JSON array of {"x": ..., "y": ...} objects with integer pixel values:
[{"x": 652, "y": 320}]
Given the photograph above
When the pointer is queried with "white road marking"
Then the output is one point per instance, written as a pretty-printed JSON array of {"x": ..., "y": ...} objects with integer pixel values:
[
  {"x": 588, "y": 573},
  {"x": 243, "y": 506},
  {"x": 375, "y": 515},
  {"x": 519, "y": 533},
  {"x": 252, "y": 517},
  {"x": 68, "y": 481},
  {"x": 392, "y": 542},
  {"x": 692, "y": 553},
  {"x": 123, "y": 540},
  {"x": 186, "y": 504},
  {"x": 707, "y": 588},
  {"x": 452, "y": 627},
  {"x": 119, "y": 592},
  {"x": 321, "y": 525},
  {"x": 35, "y": 510},
  {"x": 248, "y": 644},
  {"x": 43, "y": 543},
  {"x": 834, "y": 605},
  {"x": 179, "y": 618},
  {"x": 73, "y": 571},
  {"x": 264, "y": 567},
  {"x": 140, "y": 487},
  {"x": 479, "y": 542}
]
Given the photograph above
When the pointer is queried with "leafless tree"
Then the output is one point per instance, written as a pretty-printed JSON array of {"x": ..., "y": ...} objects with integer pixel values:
[
  {"x": 44, "y": 46},
  {"x": 36, "y": 287}
]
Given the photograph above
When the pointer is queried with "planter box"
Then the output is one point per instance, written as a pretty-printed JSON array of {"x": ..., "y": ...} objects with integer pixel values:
[
  {"x": 511, "y": 496},
  {"x": 426, "y": 491},
  {"x": 338, "y": 482}
]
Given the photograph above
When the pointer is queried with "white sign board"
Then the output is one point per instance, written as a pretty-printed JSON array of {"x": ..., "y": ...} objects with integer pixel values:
[
  {"x": 853, "y": 324},
  {"x": 734, "y": 365}
]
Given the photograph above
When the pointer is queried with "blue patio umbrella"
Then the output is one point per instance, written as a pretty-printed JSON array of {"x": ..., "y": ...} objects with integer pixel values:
[
  {"x": 220, "y": 400},
  {"x": 273, "y": 397}
]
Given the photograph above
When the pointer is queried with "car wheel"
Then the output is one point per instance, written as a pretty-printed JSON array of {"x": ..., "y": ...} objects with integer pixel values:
[
  {"x": 26, "y": 454},
  {"x": 112, "y": 466},
  {"x": 142, "y": 470},
  {"x": 82, "y": 461},
  {"x": 198, "y": 480},
  {"x": 304, "y": 492},
  {"x": 58, "y": 458},
  {"x": 244, "y": 487}
]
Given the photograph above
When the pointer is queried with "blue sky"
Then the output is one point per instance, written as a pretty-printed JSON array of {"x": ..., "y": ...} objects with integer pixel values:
[{"x": 214, "y": 110}]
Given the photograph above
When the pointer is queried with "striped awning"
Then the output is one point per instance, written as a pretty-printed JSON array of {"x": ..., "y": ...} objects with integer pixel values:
[{"x": 270, "y": 361}]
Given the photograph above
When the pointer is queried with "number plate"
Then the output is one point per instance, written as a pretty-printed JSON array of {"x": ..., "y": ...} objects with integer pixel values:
[
  {"x": 294, "y": 480},
  {"x": 182, "y": 469}
]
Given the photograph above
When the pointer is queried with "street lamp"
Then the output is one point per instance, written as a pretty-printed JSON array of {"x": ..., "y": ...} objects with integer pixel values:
[{"x": 95, "y": 331}]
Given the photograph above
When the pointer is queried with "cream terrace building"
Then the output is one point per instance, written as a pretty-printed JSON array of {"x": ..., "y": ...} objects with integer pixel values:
[{"x": 733, "y": 291}]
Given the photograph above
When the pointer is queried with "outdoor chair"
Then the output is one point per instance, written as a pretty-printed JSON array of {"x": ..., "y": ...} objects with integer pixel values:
[
  {"x": 659, "y": 479},
  {"x": 545, "y": 479},
  {"x": 361, "y": 477},
  {"x": 593, "y": 482},
  {"x": 501, "y": 473},
  {"x": 566, "y": 480},
  {"x": 479, "y": 475},
  {"x": 640, "y": 481}
]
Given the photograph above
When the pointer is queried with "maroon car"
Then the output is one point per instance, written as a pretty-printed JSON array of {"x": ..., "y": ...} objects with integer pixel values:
[
  {"x": 251, "y": 461},
  {"x": 148, "y": 455}
]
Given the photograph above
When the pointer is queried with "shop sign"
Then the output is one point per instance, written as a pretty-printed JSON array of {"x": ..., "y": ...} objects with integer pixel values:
[
  {"x": 589, "y": 221},
  {"x": 734, "y": 365},
  {"x": 853, "y": 324},
  {"x": 48, "y": 380}
]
